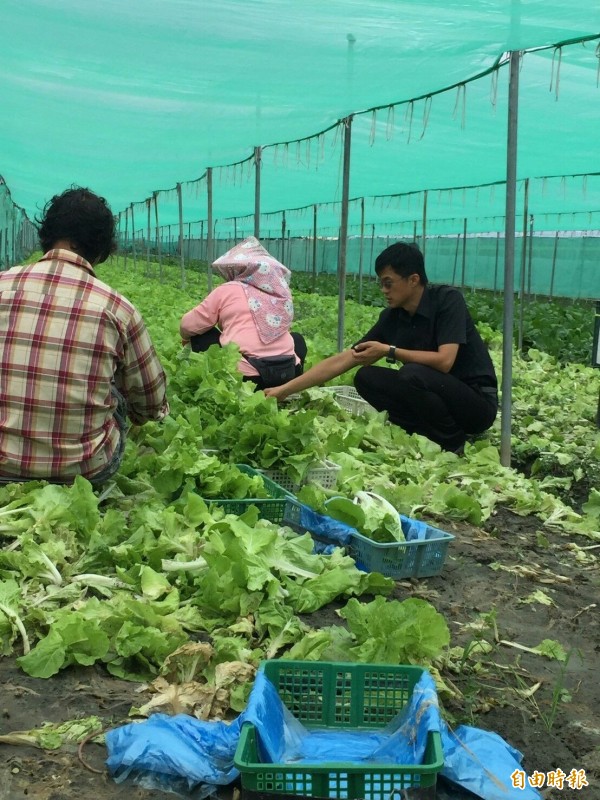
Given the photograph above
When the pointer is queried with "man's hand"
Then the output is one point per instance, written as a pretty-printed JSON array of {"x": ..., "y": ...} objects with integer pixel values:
[{"x": 369, "y": 352}]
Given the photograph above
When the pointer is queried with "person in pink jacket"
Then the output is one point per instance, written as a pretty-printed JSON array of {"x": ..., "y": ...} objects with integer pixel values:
[{"x": 252, "y": 309}]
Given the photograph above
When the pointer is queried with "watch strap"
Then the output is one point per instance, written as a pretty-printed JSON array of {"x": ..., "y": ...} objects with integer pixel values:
[{"x": 391, "y": 356}]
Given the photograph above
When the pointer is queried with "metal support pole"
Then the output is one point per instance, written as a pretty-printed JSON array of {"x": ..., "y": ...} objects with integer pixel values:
[
  {"x": 424, "y": 223},
  {"x": 347, "y": 123},
  {"x": 305, "y": 242},
  {"x": 314, "y": 251},
  {"x": 496, "y": 262},
  {"x": 181, "y": 259},
  {"x": 509, "y": 258},
  {"x": 119, "y": 238},
  {"x": 371, "y": 265},
  {"x": 596, "y": 352},
  {"x": 283, "y": 228},
  {"x": 523, "y": 267},
  {"x": 455, "y": 259},
  {"x": 148, "y": 234},
  {"x": 530, "y": 255},
  {"x": 360, "y": 251},
  {"x": 415, "y": 232},
  {"x": 257, "y": 170},
  {"x": 554, "y": 254},
  {"x": 235, "y": 230},
  {"x": 463, "y": 267},
  {"x": 125, "y": 242},
  {"x": 133, "y": 238},
  {"x": 158, "y": 247},
  {"x": 209, "y": 228}
]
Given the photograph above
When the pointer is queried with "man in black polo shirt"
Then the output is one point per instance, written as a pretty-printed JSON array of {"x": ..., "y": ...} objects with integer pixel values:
[{"x": 446, "y": 387}]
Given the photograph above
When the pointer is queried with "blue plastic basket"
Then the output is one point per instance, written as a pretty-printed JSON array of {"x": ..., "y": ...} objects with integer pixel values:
[{"x": 417, "y": 559}]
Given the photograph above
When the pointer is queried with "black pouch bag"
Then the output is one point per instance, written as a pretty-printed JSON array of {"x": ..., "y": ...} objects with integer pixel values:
[{"x": 274, "y": 370}]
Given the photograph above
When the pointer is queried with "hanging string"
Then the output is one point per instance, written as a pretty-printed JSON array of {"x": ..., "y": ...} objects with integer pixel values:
[
  {"x": 461, "y": 92},
  {"x": 322, "y": 146},
  {"x": 373, "y": 128},
  {"x": 426, "y": 112},
  {"x": 584, "y": 186},
  {"x": 307, "y": 153},
  {"x": 555, "y": 80},
  {"x": 298, "y": 154},
  {"x": 389, "y": 125},
  {"x": 335, "y": 137},
  {"x": 597, "y": 54},
  {"x": 494, "y": 88},
  {"x": 408, "y": 118}
]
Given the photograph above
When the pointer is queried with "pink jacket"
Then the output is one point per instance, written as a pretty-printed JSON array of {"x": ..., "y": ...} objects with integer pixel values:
[{"x": 227, "y": 308}]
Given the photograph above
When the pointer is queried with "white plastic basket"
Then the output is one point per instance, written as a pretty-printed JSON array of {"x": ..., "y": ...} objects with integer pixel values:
[
  {"x": 349, "y": 398},
  {"x": 322, "y": 472}
]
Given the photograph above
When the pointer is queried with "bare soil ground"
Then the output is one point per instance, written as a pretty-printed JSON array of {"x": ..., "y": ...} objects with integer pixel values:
[{"x": 550, "y": 710}]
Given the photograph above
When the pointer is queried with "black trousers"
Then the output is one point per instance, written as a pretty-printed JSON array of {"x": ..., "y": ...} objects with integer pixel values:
[
  {"x": 202, "y": 341},
  {"x": 424, "y": 400}
]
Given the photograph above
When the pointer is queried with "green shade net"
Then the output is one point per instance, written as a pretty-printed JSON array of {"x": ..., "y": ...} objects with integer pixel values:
[{"x": 132, "y": 98}]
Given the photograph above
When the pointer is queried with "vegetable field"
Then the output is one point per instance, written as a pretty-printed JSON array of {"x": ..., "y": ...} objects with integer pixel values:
[{"x": 148, "y": 596}]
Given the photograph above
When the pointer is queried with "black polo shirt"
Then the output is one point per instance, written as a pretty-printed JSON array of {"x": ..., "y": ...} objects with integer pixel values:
[{"x": 442, "y": 317}]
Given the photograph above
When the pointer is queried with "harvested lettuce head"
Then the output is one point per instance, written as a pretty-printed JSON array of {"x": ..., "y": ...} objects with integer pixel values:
[{"x": 370, "y": 514}]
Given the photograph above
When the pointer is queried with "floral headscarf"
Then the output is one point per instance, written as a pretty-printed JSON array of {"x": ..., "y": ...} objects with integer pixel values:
[{"x": 266, "y": 284}]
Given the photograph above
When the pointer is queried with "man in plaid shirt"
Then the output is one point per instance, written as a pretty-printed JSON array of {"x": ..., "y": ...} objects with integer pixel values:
[{"x": 75, "y": 355}]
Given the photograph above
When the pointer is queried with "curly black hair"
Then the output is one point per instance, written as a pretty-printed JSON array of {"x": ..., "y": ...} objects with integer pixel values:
[{"x": 84, "y": 219}]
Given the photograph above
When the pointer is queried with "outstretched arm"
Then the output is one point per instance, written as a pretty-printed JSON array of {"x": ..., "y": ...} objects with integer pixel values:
[
  {"x": 321, "y": 373},
  {"x": 361, "y": 355}
]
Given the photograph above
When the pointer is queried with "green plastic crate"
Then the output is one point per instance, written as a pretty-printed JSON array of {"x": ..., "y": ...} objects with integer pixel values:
[
  {"x": 335, "y": 695},
  {"x": 271, "y": 507}
]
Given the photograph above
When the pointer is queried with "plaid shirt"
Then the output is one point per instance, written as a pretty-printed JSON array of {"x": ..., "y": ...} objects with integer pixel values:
[{"x": 65, "y": 338}]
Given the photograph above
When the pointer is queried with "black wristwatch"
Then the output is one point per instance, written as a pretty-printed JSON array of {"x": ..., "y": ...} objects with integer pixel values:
[{"x": 391, "y": 356}]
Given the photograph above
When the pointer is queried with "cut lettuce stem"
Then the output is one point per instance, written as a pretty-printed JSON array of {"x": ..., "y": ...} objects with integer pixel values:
[
  {"x": 91, "y": 579},
  {"x": 53, "y": 574},
  {"x": 172, "y": 565},
  {"x": 14, "y": 617}
]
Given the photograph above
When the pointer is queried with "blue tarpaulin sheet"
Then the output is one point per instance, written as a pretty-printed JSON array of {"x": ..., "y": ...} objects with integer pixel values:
[{"x": 185, "y": 755}]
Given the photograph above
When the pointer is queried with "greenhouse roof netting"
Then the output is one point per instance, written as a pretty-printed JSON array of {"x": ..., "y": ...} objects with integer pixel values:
[{"x": 132, "y": 98}]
